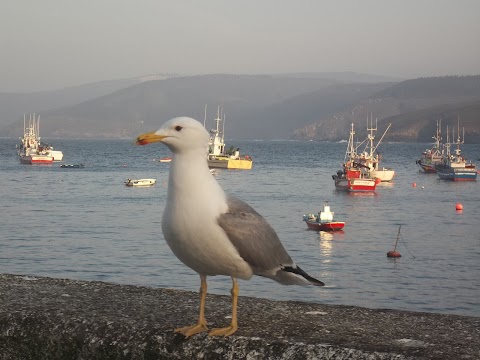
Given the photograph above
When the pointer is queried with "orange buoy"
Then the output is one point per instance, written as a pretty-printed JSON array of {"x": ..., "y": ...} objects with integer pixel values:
[
  {"x": 459, "y": 206},
  {"x": 394, "y": 254},
  {"x": 414, "y": 185}
]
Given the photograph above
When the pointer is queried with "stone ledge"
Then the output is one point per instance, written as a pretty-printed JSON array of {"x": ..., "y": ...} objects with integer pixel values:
[{"x": 45, "y": 318}]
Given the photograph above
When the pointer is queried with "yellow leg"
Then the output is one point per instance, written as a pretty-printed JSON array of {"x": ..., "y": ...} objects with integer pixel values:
[
  {"x": 229, "y": 330},
  {"x": 201, "y": 326}
]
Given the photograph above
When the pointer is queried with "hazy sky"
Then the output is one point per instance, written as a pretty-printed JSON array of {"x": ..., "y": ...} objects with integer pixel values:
[{"x": 48, "y": 44}]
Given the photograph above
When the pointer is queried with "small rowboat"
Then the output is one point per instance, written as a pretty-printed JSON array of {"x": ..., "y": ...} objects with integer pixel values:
[
  {"x": 165, "y": 159},
  {"x": 140, "y": 182}
]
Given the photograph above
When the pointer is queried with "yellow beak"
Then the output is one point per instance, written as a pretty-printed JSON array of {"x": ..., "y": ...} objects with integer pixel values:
[{"x": 148, "y": 138}]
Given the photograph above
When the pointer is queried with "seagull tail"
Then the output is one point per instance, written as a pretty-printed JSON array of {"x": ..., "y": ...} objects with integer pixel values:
[{"x": 294, "y": 275}]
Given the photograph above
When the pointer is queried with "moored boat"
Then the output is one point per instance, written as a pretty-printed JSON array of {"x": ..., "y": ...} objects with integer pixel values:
[
  {"x": 434, "y": 156},
  {"x": 354, "y": 176},
  {"x": 370, "y": 160},
  {"x": 323, "y": 220},
  {"x": 30, "y": 151},
  {"x": 140, "y": 182},
  {"x": 454, "y": 166},
  {"x": 218, "y": 157},
  {"x": 165, "y": 159}
]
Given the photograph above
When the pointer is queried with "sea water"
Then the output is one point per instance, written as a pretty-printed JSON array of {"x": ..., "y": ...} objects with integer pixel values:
[{"x": 86, "y": 224}]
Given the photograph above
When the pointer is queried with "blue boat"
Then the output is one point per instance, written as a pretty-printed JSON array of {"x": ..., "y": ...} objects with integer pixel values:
[{"x": 454, "y": 166}]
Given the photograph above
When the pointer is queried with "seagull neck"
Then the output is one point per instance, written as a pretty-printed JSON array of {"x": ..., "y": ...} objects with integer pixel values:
[
  {"x": 190, "y": 183},
  {"x": 187, "y": 168}
]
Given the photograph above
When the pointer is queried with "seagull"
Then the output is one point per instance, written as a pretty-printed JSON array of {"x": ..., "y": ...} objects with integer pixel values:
[{"x": 211, "y": 232}]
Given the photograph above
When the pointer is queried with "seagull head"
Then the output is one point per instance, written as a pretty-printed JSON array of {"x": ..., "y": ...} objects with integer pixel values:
[{"x": 179, "y": 134}]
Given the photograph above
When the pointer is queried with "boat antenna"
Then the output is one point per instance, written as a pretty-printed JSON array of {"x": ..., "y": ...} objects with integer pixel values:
[{"x": 223, "y": 127}]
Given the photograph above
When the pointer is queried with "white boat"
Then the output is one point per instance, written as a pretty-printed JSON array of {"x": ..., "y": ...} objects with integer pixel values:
[
  {"x": 370, "y": 160},
  {"x": 454, "y": 166},
  {"x": 30, "y": 150},
  {"x": 218, "y": 157},
  {"x": 140, "y": 182}
]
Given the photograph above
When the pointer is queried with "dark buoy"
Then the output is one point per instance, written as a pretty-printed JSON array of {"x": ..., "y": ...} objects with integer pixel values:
[{"x": 394, "y": 253}]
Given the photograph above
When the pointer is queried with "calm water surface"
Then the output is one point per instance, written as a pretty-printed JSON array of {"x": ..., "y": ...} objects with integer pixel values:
[{"x": 86, "y": 224}]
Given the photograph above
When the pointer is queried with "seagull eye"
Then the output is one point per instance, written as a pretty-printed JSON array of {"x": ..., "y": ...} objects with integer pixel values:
[{"x": 178, "y": 128}]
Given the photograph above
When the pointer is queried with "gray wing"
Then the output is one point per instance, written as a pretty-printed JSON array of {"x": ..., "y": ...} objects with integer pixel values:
[{"x": 253, "y": 237}]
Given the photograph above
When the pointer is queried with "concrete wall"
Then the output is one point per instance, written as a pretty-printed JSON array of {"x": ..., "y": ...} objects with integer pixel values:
[{"x": 44, "y": 318}]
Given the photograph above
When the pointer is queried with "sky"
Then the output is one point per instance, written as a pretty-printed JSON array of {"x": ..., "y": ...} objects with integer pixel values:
[{"x": 52, "y": 44}]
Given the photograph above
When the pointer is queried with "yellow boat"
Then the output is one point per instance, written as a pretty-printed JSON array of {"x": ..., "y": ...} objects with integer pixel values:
[
  {"x": 218, "y": 157},
  {"x": 230, "y": 162}
]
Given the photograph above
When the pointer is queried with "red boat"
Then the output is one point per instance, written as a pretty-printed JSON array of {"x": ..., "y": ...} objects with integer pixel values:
[
  {"x": 323, "y": 221},
  {"x": 354, "y": 176}
]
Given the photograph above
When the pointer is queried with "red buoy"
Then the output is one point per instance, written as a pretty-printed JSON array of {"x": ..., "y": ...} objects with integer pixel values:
[
  {"x": 414, "y": 185},
  {"x": 393, "y": 254},
  {"x": 459, "y": 206}
]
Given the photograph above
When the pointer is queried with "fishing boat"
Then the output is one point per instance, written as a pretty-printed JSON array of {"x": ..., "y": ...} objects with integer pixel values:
[
  {"x": 140, "y": 182},
  {"x": 454, "y": 166},
  {"x": 30, "y": 151},
  {"x": 323, "y": 220},
  {"x": 434, "y": 156},
  {"x": 354, "y": 177},
  {"x": 218, "y": 157},
  {"x": 371, "y": 158}
]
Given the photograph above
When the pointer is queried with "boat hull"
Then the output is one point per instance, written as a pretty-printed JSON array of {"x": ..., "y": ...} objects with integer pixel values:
[
  {"x": 385, "y": 175},
  {"x": 56, "y": 154},
  {"x": 326, "y": 226},
  {"x": 356, "y": 184},
  {"x": 227, "y": 163},
  {"x": 35, "y": 159},
  {"x": 427, "y": 168},
  {"x": 457, "y": 174}
]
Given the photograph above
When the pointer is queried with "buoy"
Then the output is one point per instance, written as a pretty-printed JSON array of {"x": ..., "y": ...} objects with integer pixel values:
[
  {"x": 459, "y": 206},
  {"x": 394, "y": 254},
  {"x": 423, "y": 187},
  {"x": 414, "y": 185}
]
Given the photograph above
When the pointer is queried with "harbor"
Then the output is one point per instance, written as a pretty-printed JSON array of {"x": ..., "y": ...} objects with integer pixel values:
[{"x": 99, "y": 229}]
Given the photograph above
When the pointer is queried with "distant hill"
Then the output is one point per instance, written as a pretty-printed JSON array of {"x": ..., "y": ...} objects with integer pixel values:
[
  {"x": 412, "y": 106},
  {"x": 317, "y": 106},
  {"x": 14, "y": 105},
  {"x": 256, "y": 106}
]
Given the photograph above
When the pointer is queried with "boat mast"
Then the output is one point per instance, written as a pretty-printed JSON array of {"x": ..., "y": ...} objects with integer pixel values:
[
  {"x": 457, "y": 150},
  {"x": 371, "y": 136},
  {"x": 350, "y": 153},
  {"x": 447, "y": 145}
]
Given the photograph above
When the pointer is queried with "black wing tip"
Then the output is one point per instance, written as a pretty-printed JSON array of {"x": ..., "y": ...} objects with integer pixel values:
[{"x": 297, "y": 270}]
